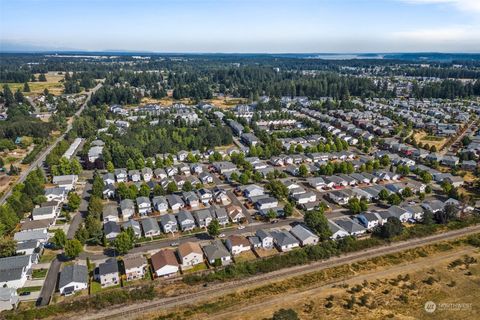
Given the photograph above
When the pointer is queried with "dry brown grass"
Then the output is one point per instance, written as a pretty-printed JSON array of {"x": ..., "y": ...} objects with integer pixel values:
[
  {"x": 53, "y": 85},
  {"x": 384, "y": 281},
  {"x": 423, "y": 137}
]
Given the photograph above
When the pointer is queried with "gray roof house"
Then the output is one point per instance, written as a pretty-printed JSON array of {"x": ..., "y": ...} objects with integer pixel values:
[
  {"x": 127, "y": 208},
  {"x": 135, "y": 225},
  {"x": 8, "y": 298},
  {"x": 350, "y": 226},
  {"x": 175, "y": 202},
  {"x": 265, "y": 238},
  {"x": 185, "y": 220},
  {"x": 160, "y": 204},
  {"x": 111, "y": 230},
  {"x": 73, "y": 278},
  {"x": 203, "y": 218},
  {"x": 284, "y": 240},
  {"x": 220, "y": 214},
  {"x": 168, "y": 223},
  {"x": 107, "y": 273},
  {"x": 150, "y": 227},
  {"x": 144, "y": 205},
  {"x": 217, "y": 254},
  {"x": 304, "y": 235}
]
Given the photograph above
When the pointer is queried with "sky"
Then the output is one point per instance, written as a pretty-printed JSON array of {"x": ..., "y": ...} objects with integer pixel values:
[{"x": 241, "y": 26}]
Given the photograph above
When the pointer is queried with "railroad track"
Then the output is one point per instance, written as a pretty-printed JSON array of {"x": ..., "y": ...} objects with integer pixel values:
[{"x": 134, "y": 311}]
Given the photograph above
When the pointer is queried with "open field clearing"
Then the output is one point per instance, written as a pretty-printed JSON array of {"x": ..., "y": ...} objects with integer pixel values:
[
  {"x": 53, "y": 85},
  {"x": 424, "y": 138}
]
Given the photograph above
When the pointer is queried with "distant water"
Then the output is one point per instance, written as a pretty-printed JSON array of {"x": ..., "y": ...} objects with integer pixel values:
[{"x": 335, "y": 56}]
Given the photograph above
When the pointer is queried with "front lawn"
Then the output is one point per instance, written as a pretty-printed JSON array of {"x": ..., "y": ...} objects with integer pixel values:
[
  {"x": 47, "y": 256},
  {"x": 39, "y": 273},
  {"x": 29, "y": 289}
]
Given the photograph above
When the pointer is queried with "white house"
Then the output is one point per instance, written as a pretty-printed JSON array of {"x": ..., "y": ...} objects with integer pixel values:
[{"x": 73, "y": 278}]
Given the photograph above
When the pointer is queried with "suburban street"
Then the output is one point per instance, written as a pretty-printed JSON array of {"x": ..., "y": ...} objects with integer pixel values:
[
  {"x": 219, "y": 289},
  {"x": 43, "y": 155},
  {"x": 51, "y": 279}
]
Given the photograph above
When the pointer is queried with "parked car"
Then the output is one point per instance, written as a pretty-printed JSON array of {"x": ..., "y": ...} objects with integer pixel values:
[
  {"x": 174, "y": 244},
  {"x": 25, "y": 293},
  {"x": 222, "y": 235},
  {"x": 241, "y": 227}
]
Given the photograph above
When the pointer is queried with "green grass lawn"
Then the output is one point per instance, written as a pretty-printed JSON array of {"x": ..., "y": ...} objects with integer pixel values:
[
  {"x": 39, "y": 273},
  {"x": 29, "y": 289},
  {"x": 48, "y": 256},
  {"x": 96, "y": 287}
]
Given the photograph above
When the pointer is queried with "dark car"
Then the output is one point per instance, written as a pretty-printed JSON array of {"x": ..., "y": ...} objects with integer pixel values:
[{"x": 25, "y": 293}]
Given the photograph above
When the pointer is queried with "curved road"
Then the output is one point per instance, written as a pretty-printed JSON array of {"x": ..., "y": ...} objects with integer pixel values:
[{"x": 135, "y": 310}]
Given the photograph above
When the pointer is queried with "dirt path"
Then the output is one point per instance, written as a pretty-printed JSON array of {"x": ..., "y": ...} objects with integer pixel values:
[{"x": 264, "y": 309}]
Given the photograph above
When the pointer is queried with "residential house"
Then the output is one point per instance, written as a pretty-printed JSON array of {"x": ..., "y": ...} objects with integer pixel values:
[
  {"x": 191, "y": 199},
  {"x": 369, "y": 220},
  {"x": 350, "y": 226},
  {"x": 168, "y": 223},
  {"x": 135, "y": 266},
  {"x": 134, "y": 175},
  {"x": 433, "y": 206},
  {"x": 205, "y": 177},
  {"x": 304, "y": 235},
  {"x": 73, "y": 278},
  {"x": 205, "y": 195},
  {"x": 40, "y": 235},
  {"x": 265, "y": 237},
  {"x": 110, "y": 212},
  {"x": 284, "y": 240},
  {"x": 41, "y": 213},
  {"x": 56, "y": 194},
  {"x": 16, "y": 270},
  {"x": 127, "y": 208},
  {"x": 160, "y": 204},
  {"x": 203, "y": 218},
  {"x": 164, "y": 263},
  {"x": 135, "y": 225},
  {"x": 237, "y": 244},
  {"x": 253, "y": 191},
  {"x": 175, "y": 202},
  {"x": 147, "y": 174},
  {"x": 121, "y": 175},
  {"x": 337, "y": 231},
  {"x": 190, "y": 254},
  {"x": 220, "y": 196},
  {"x": 185, "y": 220},
  {"x": 66, "y": 181},
  {"x": 144, "y": 205},
  {"x": 8, "y": 298},
  {"x": 220, "y": 214},
  {"x": 111, "y": 230},
  {"x": 150, "y": 227},
  {"x": 266, "y": 203},
  {"x": 108, "y": 178},
  {"x": 217, "y": 254},
  {"x": 235, "y": 213},
  {"x": 160, "y": 173},
  {"x": 107, "y": 273},
  {"x": 304, "y": 198}
]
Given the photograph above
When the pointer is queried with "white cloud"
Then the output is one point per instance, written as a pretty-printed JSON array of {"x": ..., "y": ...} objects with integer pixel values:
[{"x": 472, "y": 6}]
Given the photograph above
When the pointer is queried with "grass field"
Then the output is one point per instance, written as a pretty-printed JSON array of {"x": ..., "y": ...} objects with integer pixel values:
[
  {"x": 39, "y": 273},
  {"x": 424, "y": 138},
  {"x": 53, "y": 85},
  {"x": 29, "y": 289},
  {"x": 48, "y": 255}
]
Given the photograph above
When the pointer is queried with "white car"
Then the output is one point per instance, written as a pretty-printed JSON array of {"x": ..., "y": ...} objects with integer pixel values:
[
  {"x": 222, "y": 235},
  {"x": 241, "y": 227}
]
